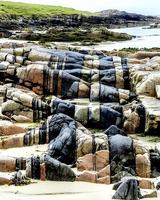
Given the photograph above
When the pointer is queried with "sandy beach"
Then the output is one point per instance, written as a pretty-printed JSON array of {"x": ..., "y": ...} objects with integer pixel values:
[{"x": 59, "y": 191}]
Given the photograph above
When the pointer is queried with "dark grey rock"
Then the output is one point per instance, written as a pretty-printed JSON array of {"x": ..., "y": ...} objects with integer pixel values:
[{"x": 128, "y": 190}]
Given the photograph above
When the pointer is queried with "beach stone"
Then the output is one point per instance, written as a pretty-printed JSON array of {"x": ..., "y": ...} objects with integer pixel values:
[
  {"x": 147, "y": 85},
  {"x": 140, "y": 147},
  {"x": 54, "y": 170},
  {"x": 62, "y": 138},
  {"x": 31, "y": 73},
  {"x": 120, "y": 144},
  {"x": 12, "y": 141},
  {"x": 10, "y": 106},
  {"x": 114, "y": 130},
  {"x": 7, "y": 164},
  {"x": 122, "y": 158},
  {"x": 8, "y": 128},
  {"x": 158, "y": 91},
  {"x": 42, "y": 172},
  {"x": 4, "y": 65},
  {"x": 4, "y": 180},
  {"x": 104, "y": 180},
  {"x": 102, "y": 159},
  {"x": 93, "y": 162},
  {"x": 83, "y": 90},
  {"x": 157, "y": 148},
  {"x": 86, "y": 162},
  {"x": 104, "y": 172},
  {"x": 143, "y": 54},
  {"x": 21, "y": 96},
  {"x": 155, "y": 162},
  {"x": 127, "y": 190},
  {"x": 145, "y": 183},
  {"x": 88, "y": 176},
  {"x": 21, "y": 118},
  {"x": 86, "y": 142},
  {"x": 36, "y": 55},
  {"x": 149, "y": 194},
  {"x": 58, "y": 171},
  {"x": 132, "y": 123},
  {"x": 143, "y": 165}
]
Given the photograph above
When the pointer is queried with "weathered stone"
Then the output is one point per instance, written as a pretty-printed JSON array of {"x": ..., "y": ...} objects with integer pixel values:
[
  {"x": 31, "y": 73},
  {"x": 143, "y": 166},
  {"x": 86, "y": 162},
  {"x": 157, "y": 148},
  {"x": 8, "y": 128},
  {"x": 42, "y": 172},
  {"x": 7, "y": 164},
  {"x": 127, "y": 190},
  {"x": 102, "y": 159},
  {"x": 132, "y": 123},
  {"x": 93, "y": 162},
  {"x": 88, "y": 176},
  {"x": 104, "y": 172},
  {"x": 83, "y": 90},
  {"x": 86, "y": 143},
  {"x": 21, "y": 118},
  {"x": 104, "y": 180},
  {"x": 147, "y": 85},
  {"x": 5, "y": 179},
  {"x": 140, "y": 147},
  {"x": 145, "y": 183},
  {"x": 10, "y": 106},
  {"x": 54, "y": 170},
  {"x": 12, "y": 141},
  {"x": 114, "y": 130},
  {"x": 149, "y": 194}
]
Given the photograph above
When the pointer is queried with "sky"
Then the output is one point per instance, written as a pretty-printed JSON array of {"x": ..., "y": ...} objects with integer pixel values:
[{"x": 147, "y": 7}]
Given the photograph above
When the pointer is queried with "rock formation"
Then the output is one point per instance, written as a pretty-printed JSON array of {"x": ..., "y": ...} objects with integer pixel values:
[{"x": 66, "y": 92}]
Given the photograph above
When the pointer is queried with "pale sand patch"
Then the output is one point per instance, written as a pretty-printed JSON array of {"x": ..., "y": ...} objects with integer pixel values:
[
  {"x": 58, "y": 191},
  {"x": 24, "y": 151}
]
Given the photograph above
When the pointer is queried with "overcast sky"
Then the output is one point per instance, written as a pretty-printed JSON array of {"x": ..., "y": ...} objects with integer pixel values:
[{"x": 140, "y": 6}]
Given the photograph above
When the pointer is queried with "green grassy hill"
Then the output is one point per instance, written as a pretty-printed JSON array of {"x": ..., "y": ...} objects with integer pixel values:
[{"x": 25, "y": 9}]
